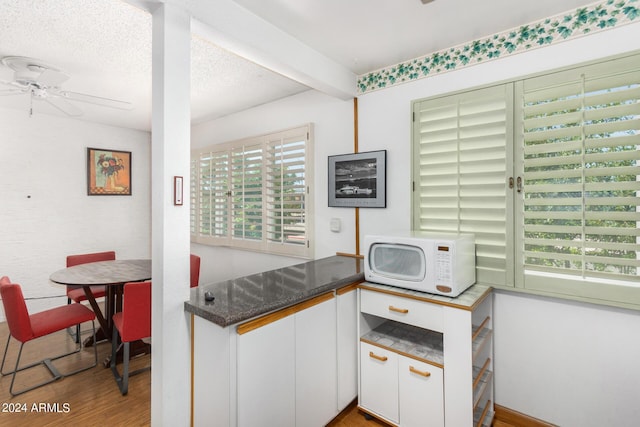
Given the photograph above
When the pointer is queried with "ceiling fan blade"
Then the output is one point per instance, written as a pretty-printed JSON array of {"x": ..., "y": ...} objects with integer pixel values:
[
  {"x": 64, "y": 106},
  {"x": 97, "y": 100},
  {"x": 8, "y": 92},
  {"x": 52, "y": 78},
  {"x": 14, "y": 85}
]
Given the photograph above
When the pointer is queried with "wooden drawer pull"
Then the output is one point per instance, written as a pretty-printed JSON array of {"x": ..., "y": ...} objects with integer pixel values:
[
  {"x": 415, "y": 371},
  {"x": 375, "y": 356},
  {"x": 398, "y": 310}
]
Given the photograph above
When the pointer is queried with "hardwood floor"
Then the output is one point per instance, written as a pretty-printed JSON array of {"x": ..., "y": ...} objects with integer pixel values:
[
  {"x": 85, "y": 399},
  {"x": 352, "y": 417},
  {"x": 92, "y": 397}
]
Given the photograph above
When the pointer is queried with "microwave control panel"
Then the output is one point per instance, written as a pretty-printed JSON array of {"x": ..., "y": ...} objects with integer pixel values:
[{"x": 444, "y": 261}]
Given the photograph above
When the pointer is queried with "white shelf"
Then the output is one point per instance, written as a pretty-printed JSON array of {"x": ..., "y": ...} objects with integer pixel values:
[{"x": 408, "y": 340}]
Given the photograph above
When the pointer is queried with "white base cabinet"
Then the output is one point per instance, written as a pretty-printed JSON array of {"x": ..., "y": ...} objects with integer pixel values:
[
  {"x": 316, "y": 370},
  {"x": 379, "y": 381},
  {"x": 426, "y": 360},
  {"x": 420, "y": 393},
  {"x": 266, "y": 375},
  {"x": 284, "y": 367},
  {"x": 293, "y": 367},
  {"x": 347, "y": 351}
]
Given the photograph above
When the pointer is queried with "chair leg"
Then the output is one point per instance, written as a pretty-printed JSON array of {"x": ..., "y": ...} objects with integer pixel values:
[
  {"x": 2, "y": 372},
  {"x": 47, "y": 363},
  {"x": 125, "y": 369},
  {"x": 121, "y": 380},
  {"x": 95, "y": 354},
  {"x": 76, "y": 336}
]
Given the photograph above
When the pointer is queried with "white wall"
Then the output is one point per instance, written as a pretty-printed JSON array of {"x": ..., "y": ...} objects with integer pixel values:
[
  {"x": 568, "y": 363},
  {"x": 46, "y": 213},
  {"x": 333, "y": 131}
]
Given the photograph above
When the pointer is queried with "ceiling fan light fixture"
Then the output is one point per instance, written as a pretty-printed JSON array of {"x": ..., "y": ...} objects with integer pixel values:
[
  {"x": 43, "y": 83},
  {"x": 426, "y": 1}
]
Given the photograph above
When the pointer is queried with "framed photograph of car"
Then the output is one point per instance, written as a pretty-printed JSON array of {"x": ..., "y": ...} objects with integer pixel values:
[{"x": 358, "y": 180}]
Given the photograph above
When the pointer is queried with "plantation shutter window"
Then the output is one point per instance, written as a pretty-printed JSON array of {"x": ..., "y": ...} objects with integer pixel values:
[
  {"x": 461, "y": 167},
  {"x": 286, "y": 189},
  {"x": 212, "y": 212},
  {"x": 246, "y": 191},
  {"x": 254, "y": 194},
  {"x": 545, "y": 171},
  {"x": 581, "y": 133}
]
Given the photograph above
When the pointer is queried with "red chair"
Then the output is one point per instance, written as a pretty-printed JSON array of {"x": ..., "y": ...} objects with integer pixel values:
[
  {"x": 24, "y": 327},
  {"x": 132, "y": 323},
  {"x": 76, "y": 293},
  {"x": 195, "y": 270}
]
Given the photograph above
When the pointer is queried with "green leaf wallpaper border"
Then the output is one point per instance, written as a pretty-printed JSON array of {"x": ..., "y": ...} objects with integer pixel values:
[{"x": 596, "y": 17}]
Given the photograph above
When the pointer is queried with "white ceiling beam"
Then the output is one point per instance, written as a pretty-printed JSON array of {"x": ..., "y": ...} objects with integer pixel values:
[{"x": 231, "y": 27}]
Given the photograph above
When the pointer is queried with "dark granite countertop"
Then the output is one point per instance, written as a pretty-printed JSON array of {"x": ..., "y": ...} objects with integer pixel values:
[{"x": 241, "y": 299}]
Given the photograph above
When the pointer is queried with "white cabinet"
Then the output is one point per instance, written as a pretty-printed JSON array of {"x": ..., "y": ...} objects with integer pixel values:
[
  {"x": 420, "y": 393},
  {"x": 403, "y": 390},
  {"x": 287, "y": 370},
  {"x": 266, "y": 376},
  {"x": 347, "y": 345},
  {"x": 379, "y": 381},
  {"x": 316, "y": 374},
  {"x": 426, "y": 359}
]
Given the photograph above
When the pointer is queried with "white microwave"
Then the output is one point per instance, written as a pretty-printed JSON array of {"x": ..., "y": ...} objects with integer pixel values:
[{"x": 437, "y": 263}]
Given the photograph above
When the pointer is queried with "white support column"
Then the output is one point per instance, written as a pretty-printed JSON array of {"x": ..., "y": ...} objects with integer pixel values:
[{"x": 170, "y": 359}]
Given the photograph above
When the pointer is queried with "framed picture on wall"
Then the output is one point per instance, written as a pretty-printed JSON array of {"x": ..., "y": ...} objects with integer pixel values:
[
  {"x": 358, "y": 180},
  {"x": 108, "y": 172}
]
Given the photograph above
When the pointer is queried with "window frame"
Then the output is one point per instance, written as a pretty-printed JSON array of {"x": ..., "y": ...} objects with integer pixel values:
[{"x": 303, "y": 194}]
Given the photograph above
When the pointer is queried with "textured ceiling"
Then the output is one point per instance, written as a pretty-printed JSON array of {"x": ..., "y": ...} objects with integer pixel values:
[{"x": 105, "y": 46}]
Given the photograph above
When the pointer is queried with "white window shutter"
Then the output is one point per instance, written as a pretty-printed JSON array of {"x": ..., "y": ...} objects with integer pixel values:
[
  {"x": 581, "y": 133},
  {"x": 255, "y": 193},
  {"x": 462, "y": 164}
]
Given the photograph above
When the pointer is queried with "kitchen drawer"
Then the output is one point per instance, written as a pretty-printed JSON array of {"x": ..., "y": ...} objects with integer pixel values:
[{"x": 400, "y": 309}]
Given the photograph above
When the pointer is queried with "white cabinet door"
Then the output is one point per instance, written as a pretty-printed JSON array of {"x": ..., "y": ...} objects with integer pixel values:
[
  {"x": 316, "y": 365},
  {"x": 347, "y": 348},
  {"x": 379, "y": 381},
  {"x": 266, "y": 375},
  {"x": 421, "y": 394}
]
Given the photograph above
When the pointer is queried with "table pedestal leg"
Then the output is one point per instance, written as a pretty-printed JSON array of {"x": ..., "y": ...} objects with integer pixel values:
[{"x": 104, "y": 330}]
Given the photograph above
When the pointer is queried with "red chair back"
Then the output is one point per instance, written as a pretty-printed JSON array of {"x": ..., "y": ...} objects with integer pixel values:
[
  {"x": 16, "y": 311},
  {"x": 195, "y": 270},
  {"x": 136, "y": 311},
  {"x": 87, "y": 258}
]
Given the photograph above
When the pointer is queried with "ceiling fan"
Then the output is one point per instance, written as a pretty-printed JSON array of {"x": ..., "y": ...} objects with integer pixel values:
[{"x": 42, "y": 83}]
